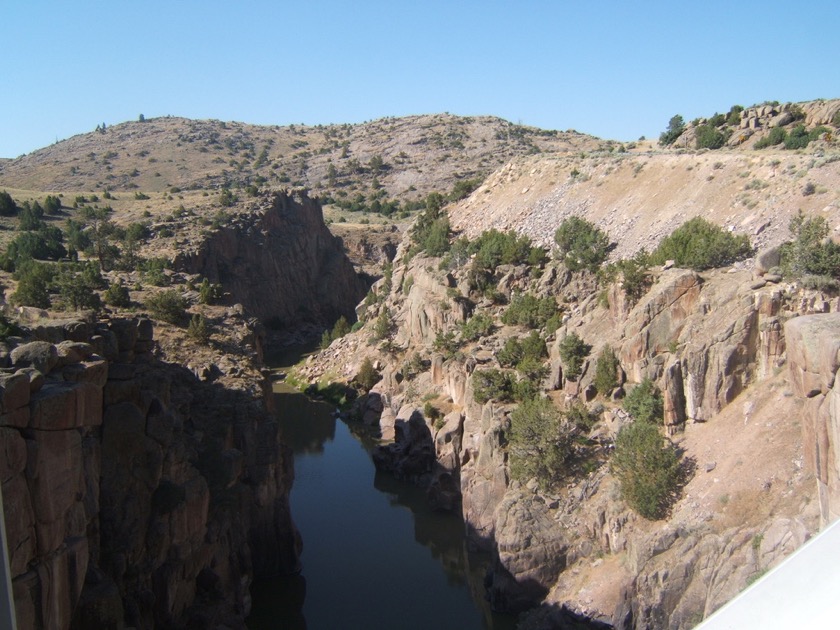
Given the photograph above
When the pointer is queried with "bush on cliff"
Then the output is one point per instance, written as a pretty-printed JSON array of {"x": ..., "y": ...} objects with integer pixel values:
[
  {"x": 647, "y": 468},
  {"x": 368, "y": 376},
  {"x": 539, "y": 442},
  {"x": 675, "y": 128},
  {"x": 169, "y": 306},
  {"x": 581, "y": 245},
  {"x": 492, "y": 385},
  {"x": 698, "y": 244},
  {"x": 606, "y": 371},
  {"x": 573, "y": 351},
  {"x": 476, "y": 327},
  {"x": 530, "y": 311},
  {"x": 644, "y": 403},
  {"x": 810, "y": 252}
]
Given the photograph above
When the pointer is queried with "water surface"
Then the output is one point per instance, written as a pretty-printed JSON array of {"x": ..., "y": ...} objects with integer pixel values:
[{"x": 374, "y": 555}]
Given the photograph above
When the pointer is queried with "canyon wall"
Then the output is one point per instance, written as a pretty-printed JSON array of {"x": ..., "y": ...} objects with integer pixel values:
[
  {"x": 281, "y": 262},
  {"x": 707, "y": 340},
  {"x": 134, "y": 494}
]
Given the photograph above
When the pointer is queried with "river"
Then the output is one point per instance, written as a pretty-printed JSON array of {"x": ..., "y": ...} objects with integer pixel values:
[{"x": 374, "y": 555}]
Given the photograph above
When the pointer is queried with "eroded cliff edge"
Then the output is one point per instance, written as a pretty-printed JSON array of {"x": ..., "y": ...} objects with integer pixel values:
[
  {"x": 144, "y": 481},
  {"x": 134, "y": 493},
  {"x": 716, "y": 346},
  {"x": 281, "y": 263}
]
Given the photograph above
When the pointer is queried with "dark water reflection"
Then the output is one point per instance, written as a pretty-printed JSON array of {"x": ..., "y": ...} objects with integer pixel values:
[{"x": 375, "y": 556}]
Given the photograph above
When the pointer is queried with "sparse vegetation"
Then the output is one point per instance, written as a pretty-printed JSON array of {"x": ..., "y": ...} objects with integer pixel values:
[
  {"x": 644, "y": 403},
  {"x": 647, "y": 469},
  {"x": 606, "y": 371},
  {"x": 581, "y": 245},
  {"x": 698, "y": 244},
  {"x": 530, "y": 311},
  {"x": 539, "y": 442},
  {"x": 573, "y": 351},
  {"x": 169, "y": 306}
]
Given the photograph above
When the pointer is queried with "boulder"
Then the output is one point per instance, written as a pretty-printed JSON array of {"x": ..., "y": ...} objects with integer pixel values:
[
  {"x": 531, "y": 552},
  {"x": 40, "y": 355}
]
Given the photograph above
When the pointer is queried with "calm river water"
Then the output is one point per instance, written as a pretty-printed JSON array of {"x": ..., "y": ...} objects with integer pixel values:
[{"x": 374, "y": 555}]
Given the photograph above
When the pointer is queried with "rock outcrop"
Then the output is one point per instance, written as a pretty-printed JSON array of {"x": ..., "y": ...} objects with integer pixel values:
[
  {"x": 813, "y": 345},
  {"x": 282, "y": 263},
  {"x": 134, "y": 494}
]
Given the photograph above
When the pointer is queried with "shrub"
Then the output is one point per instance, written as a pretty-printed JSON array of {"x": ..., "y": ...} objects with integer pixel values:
[
  {"x": 511, "y": 353},
  {"x": 445, "y": 342},
  {"x": 33, "y": 282},
  {"x": 463, "y": 188},
  {"x": 532, "y": 369},
  {"x": 8, "y": 207},
  {"x": 573, "y": 351},
  {"x": 810, "y": 252},
  {"x": 209, "y": 293},
  {"x": 698, "y": 244},
  {"x": 675, "y": 128},
  {"x": 77, "y": 286},
  {"x": 581, "y": 244},
  {"x": 539, "y": 442},
  {"x": 117, "y": 295},
  {"x": 492, "y": 384},
  {"x": 169, "y": 305},
  {"x": 530, "y": 311},
  {"x": 199, "y": 329},
  {"x": 798, "y": 138},
  {"x": 153, "y": 272},
  {"x": 45, "y": 244},
  {"x": 31, "y": 217},
  {"x": 606, "y": 371},
  {"x": 382, "y": 326},
  {"x": 367, "y": 376},
  {"x": 227, "y": 198},
  {"x": 493, "y": 248},
  {"x": 339, "y": 329},
  {"x": 431, "y": 412},
  {"x": 776, "y": 136},
  {"x": 431, "y": 229},
  {"x": 647, "y": 469},
  {"x": 707, "y": 137},
  {"x": 476, "y": 327},
  {"x": 9, "y": 329},
  {"x": 644, "y": 403},
  {"x": 634, "y": 273}
]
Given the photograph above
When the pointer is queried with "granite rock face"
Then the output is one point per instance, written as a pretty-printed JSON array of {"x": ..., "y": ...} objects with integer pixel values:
[
  {"x": 129, "y": 486},
  {"x": 813, "y": 346},
  {"x": 282, "y": 263}
]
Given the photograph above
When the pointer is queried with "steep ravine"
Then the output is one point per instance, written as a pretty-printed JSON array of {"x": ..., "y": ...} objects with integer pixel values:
[
  {"x": 281, "y": 263},
  {"x": 138, "y": 491},
  {"x": 715, "y": 344}
]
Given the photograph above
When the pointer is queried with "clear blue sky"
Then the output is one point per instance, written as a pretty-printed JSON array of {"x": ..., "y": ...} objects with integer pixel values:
[{"x": 615, "y": 69}]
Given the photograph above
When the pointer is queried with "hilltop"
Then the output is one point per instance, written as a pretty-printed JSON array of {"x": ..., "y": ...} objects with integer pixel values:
[{"x": 408, "y": 157}]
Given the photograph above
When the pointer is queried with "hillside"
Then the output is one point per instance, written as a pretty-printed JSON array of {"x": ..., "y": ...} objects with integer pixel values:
[
  {"x": 208, "y": 227},
  {"x": 459, "y": 365},
  {"x": 419, "y": 154},
  {"x": 639, "y": 198}
]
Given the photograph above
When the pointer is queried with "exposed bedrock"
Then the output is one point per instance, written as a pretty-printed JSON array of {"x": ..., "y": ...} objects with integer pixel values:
[
  {"x": 133, "y": 493},
  {"x": 282, "y": 263}
]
